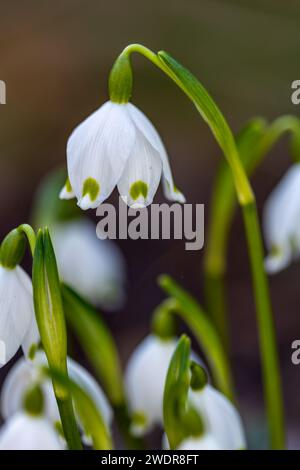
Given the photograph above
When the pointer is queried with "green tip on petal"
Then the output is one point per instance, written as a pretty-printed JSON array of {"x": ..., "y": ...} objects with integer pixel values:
[
  {"x": 139, "y": 419},
  {"x": 137, "y": 189},
  {"x": 32, "y": 351},
  {"x": 68, "y": 186},
  {"x": 91, "y": 188}
]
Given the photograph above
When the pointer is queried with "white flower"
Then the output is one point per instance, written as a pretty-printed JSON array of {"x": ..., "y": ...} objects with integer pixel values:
[
  {"x": 17, "y": 319},
  {"x": 145, "y": 380},
  {"x": 282, "y": 221},
  {"x": 223, "y": 429},
  {"x": 27, "y": 432},
  {"x": 220, "y": 418},
  {"x": 94, "y": 268},
  {"x": 117, "y": 145},
  {"x": 25, "y": 374}
]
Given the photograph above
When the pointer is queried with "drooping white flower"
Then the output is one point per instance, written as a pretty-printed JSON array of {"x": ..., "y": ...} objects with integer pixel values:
[
  {"x": 222, "y": 425},
  {"x": 117, "y": 146},
  {"x": 282, "y": 221},
  {"x": 28, "y": 432},
  {"x": 145, "y": 380},
  {"x": 221, "y": 420},
  {"x": 17, "y": 319},
  {"x": 93, "y": 267},
  {"x": 25, "y": 374}
]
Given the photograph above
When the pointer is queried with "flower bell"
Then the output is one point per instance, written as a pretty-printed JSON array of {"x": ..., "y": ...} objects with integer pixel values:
[
  {"x": 222, "y": 424},
  {"x": 117, "y": 146},
  {"x": 281, "y": 221},
  {"x": 95, "y": 268},
  {"x": 29, "y": 429},
  {"x": 25, "y": 374},
  {"x": 17, "y": 320},
  {"x": 145, "y": 380}
]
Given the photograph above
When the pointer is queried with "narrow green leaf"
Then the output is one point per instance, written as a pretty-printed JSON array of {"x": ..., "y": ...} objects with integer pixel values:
[
  {"x": 96, "y": 342},
  {"x": 88, "y": 412}
]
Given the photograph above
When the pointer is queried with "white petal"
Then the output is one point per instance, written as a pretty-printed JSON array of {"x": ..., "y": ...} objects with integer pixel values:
[
  {"x": 66, "y": 194},
  {"x": 205, "y": 442},
  {"x": 24, "y": 432},
  {"x": 148, "y": 130},
  {"x": 145, "y": 378},
  {"x": 95, "y": 268},
  {"x": 220, "y": 417},
  {"x": 16, "y": 308},
  {"x": 281, "y": 216},
  {"x": 31, "y": 339},
  {"x": 99, "y": 148},
  {"x": 276, "y": 262},
  {"x": 143, "y": 167}
]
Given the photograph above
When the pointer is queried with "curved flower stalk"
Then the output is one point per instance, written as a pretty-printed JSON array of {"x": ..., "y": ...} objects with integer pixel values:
[
  {"x": 223, "y": 135},
  {"x": 254, "y": 142},
  {"x": 117, "y": 146},
  {"x": 144, "y": 380},
  {"x": 94, "y": 268},
  {"x": 17, "y": 320},
  {"x": 196, "y": 416},
  {"x": 25, "y": 374},
  {"x": 28, "y": 429},
  {"x": 281, "y": 221}
]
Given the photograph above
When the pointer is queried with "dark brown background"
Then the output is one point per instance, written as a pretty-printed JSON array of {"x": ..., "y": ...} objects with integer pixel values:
[{"x": 55, "y": 58}]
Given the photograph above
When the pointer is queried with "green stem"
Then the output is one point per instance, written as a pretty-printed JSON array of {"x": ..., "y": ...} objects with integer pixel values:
[
  {"x": 267, "y": 339},
  {"x": 68, "y": 420},
  {"x": 254, "y": 142},
  {"x": 212, "y": 115},
  {"x": 30, "y": 235}
]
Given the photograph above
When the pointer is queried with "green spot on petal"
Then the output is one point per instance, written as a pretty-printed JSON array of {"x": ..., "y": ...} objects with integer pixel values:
[
  {"x": 91, "y": 187},
  {"x": 32, "y": 351},
  {"x": 139, "y": 188},
  {"x": 68, "y": 186}
]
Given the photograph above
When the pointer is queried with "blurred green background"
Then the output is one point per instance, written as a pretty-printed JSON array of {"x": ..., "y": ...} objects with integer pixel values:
[{"x": 55, "y": 58}]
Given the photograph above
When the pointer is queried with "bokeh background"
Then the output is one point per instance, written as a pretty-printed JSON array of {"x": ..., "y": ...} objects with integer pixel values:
[{"x": 55, "y": 58}]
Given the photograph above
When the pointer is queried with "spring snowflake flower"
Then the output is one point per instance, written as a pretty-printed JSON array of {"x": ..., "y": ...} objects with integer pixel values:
[
  {"x": 117, "y": 146},
  {"x": 94, "y": 268},
  {"x": 25, "y": 374},
  {"x": 220, "y": 418},
  {"x": 17, "y": 319},
  {"x": 282, "y": 221},
  {"x": 145, "y": 380},
  {"x": 28, "y": 432}
]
